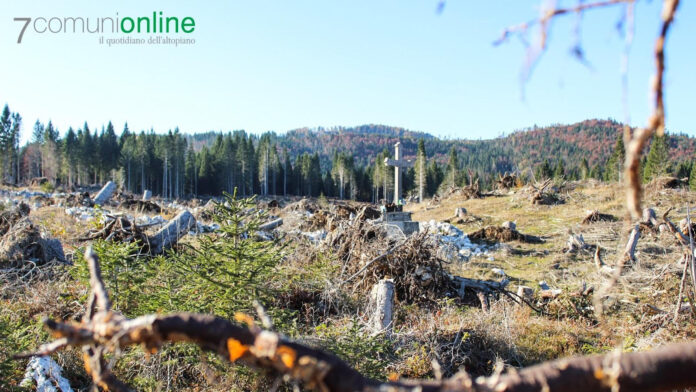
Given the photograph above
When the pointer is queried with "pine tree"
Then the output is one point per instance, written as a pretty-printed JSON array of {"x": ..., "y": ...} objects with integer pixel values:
[
  {"x": 584, "y": 169},
  {"x": 614, "y": 166},
  {"x": 71, "y": 150},
  {"x": 543, "y": 171},
  {"x": 559, "y": 170},
  {"x": 453, "y": 168},
  {"x": 657, "y": 163},
  {"x": 5, "y": 141}
]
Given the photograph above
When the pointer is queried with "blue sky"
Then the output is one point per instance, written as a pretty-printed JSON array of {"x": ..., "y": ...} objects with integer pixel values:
[{"x": 279, "y": 65}]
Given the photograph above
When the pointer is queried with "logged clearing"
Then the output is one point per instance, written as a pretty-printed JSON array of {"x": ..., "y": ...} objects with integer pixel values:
[{"x": 507, "y": 282}]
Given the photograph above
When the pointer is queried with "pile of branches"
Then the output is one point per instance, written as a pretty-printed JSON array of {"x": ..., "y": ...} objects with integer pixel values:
[
  {"x": 79, "y": 200},
  {"x": 9, "y": 217},
  {"x": 667, "y": 182},
  {"x": 413, "y": 264},
  {"x": 506, "y": 181},
  {"x": 42, "y": 200},
  {"x": 142, "y": 206},
  {"x": 38, "y": 181},
  {"x": 596, "y": 216},
  {"x": 541, "y": 196},
  {"x": 21, "y": 241},
  {"x": 119, "y": 229},
  {"x": 495, "y": 234}
]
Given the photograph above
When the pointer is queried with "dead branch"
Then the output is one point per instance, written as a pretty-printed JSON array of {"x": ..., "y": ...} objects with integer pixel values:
[
  {"x": 636, "y": 141},
  {"x": 102, "y": 330},
  {"x": 548, "y": 15}
]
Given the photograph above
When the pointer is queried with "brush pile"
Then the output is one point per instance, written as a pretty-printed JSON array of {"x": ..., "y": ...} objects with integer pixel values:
[
  {"x": 506, "y": 182},
  {"x": 494, "y": 234},
  {"x": 543, "y": 195},
  {"x": 21, "y": 240},
  {"x": 596, "y": 216},
  {"x": 412, "y": 263},
  {"x": 120, "y": 229}
]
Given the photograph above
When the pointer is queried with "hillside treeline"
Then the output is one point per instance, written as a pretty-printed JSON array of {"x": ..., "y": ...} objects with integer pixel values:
[{"x": 338, "y": 162}]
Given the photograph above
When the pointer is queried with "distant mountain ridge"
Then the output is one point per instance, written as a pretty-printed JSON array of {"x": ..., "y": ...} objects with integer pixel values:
[{"x": 590, "y": 139}]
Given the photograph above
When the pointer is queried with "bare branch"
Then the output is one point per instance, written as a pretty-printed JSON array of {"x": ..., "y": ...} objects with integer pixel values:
[
  {"x": 96, "y": 281},
  {"x": 635, "y": 142}
]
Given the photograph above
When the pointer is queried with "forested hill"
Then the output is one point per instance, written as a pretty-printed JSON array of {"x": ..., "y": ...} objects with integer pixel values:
[{"x": 591, "y": 139}]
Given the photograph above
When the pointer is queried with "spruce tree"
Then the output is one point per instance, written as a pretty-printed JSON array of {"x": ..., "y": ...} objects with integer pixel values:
[
  {"x": 453, "y": 168},
  {"x": 657, "y": 163},
  {"x": 559, "y": 170},
  {"x": 584, "y": 169},
  {"x": 614, "y": 167}
]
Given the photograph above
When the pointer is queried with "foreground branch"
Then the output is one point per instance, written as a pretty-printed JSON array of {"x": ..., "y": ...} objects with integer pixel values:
[{"x": 102, "y": 330}]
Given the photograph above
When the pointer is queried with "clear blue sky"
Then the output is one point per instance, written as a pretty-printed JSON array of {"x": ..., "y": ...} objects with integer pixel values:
[{"x": 279, "y": 65}]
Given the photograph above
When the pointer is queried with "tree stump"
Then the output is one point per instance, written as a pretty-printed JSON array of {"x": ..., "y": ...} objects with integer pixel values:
[
  {"x": 525, "y": 292},
  {"x": 460, "y": 212},
  {"x": 575, "y": 243},
  {"x": 381, "y": 306},
  {"x": 147, "y": 195},
  {"x": 630, "y": 251},
  {"x": 509, "y": 225},
  {"x": 649, "y": 217}
]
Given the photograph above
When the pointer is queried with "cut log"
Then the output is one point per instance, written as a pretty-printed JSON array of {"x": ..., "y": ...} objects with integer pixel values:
[
  {"x": 271, "y": 225},
  {"x": 105, "y": 193},
  {"x": 172, "y": 232},
  {"x": 487, "y": 286},
  {"x": 381, "y": 306},
  {"x": 630, "y": 251}
]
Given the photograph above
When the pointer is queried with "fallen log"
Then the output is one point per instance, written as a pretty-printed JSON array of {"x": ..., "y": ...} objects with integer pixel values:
[
  {"x": 486, "y": 286},
  {"x": 271, "y": 225},
  {"x": 170, "y": 234},
  {"x": 105, "y": 193},
  {"x": 102, "y": 331}
]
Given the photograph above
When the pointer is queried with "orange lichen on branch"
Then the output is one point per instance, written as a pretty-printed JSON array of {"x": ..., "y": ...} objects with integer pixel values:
[
  {"x": 236, "y": 349},
  {"x": 287, "y": 355},
  {"x": 244, "y": 318}
]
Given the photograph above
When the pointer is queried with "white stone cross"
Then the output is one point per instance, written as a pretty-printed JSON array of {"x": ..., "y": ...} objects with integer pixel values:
[{"x": 398, "y": 163}]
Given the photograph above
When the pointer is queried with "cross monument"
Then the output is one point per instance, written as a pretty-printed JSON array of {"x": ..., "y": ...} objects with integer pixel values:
[{"x": 398, "y": 163}]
